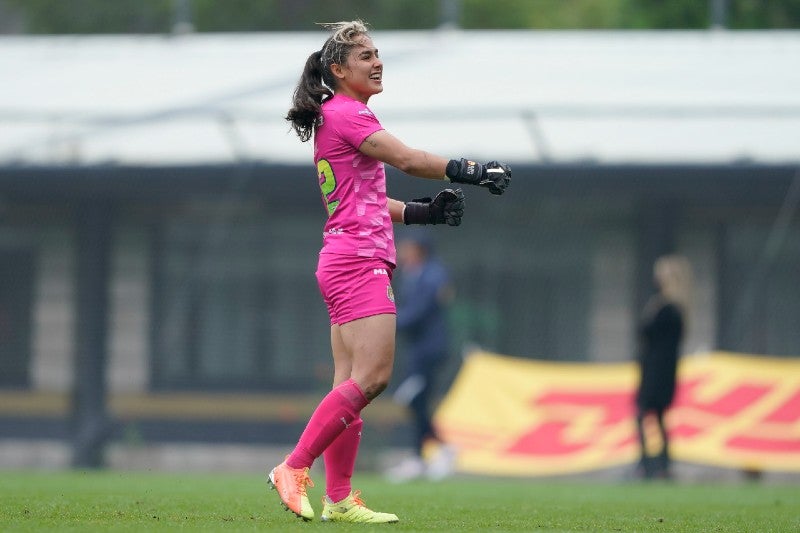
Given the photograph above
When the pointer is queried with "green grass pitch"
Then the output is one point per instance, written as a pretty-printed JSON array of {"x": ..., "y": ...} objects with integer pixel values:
[{"x": 126, "y": 501}]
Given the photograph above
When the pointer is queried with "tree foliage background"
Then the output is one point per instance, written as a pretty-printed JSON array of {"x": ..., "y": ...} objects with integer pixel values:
[{"x": 159, "y": 16}]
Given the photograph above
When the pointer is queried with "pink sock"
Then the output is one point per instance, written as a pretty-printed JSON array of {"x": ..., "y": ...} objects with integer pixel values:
[
  {"x": 333, "y": 415},
  {"x": 340, "y": 461}
]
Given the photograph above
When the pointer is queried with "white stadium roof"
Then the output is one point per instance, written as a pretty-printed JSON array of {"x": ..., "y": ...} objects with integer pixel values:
[{"x": 520, "y": 96}]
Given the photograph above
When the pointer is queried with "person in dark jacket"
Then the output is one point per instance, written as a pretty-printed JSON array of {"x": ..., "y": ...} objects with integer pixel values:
[
  {"x": 424, "y": 292},
  {"x": 661, "y": 333}
]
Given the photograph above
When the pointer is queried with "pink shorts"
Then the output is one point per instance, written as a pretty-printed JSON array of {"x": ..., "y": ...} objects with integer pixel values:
[{"x": 355, "y": 287}]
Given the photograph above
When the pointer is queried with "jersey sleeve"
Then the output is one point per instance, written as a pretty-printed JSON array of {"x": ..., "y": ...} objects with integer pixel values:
[{"x": 356, "y": 123}]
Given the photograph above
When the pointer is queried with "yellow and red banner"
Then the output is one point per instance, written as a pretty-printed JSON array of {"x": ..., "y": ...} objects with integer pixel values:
[{"x": 512, "y": 416}]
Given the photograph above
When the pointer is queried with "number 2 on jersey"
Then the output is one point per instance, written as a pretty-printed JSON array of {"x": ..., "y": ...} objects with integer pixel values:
[{"x": 328, "y": 185}]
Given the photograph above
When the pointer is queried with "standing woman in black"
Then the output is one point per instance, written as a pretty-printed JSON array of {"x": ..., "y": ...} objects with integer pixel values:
[{"x": 661, "y": 333}]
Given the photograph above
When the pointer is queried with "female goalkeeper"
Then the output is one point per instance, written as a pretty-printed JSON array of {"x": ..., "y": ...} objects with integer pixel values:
[{"x": 358, "y": 254}]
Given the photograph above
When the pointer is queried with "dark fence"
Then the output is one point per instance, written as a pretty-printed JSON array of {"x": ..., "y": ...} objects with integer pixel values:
[{"x": 557, "y": 268}]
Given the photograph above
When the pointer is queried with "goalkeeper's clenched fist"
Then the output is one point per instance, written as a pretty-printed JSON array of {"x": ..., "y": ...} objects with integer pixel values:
[
  {"x": 446, "y": 208},
  {"x": 494, "y": 176}
]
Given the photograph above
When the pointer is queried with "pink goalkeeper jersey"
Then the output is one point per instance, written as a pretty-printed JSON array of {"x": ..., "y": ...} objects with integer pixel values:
[{"x": 353, "y": 185}]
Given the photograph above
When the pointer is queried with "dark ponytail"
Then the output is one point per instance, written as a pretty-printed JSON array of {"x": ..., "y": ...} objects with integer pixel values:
[
  {"x": 308, "y": 97},
  {"x": 318, "y": 82}
]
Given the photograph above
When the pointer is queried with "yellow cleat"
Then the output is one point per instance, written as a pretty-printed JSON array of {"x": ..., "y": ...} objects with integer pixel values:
[
  {"x": 291, "y": 486},
  {"x": 353, "y": 509}
]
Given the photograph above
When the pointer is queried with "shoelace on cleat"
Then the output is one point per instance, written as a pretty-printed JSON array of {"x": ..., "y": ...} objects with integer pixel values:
[
  {"x": 302, "y": 479},
  {"x": 357, "y": 499}
]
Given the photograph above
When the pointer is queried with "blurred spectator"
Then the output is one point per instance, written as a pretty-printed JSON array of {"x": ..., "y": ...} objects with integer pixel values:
[
  {"x": 424, "y": 292},
  {"x": 661, "y": 332}
]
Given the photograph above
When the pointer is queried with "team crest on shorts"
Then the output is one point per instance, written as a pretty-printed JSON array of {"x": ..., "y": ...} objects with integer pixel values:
[{"x": 390, "y": 293}]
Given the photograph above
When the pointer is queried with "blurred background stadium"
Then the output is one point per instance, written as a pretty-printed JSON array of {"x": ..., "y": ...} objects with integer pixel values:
[{"x": 159, "y": 223}]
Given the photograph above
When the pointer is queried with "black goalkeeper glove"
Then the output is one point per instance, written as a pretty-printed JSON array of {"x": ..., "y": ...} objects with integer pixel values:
[
  {"x": 494, "y": 176},
  {"x": 446, "y": 208}
]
